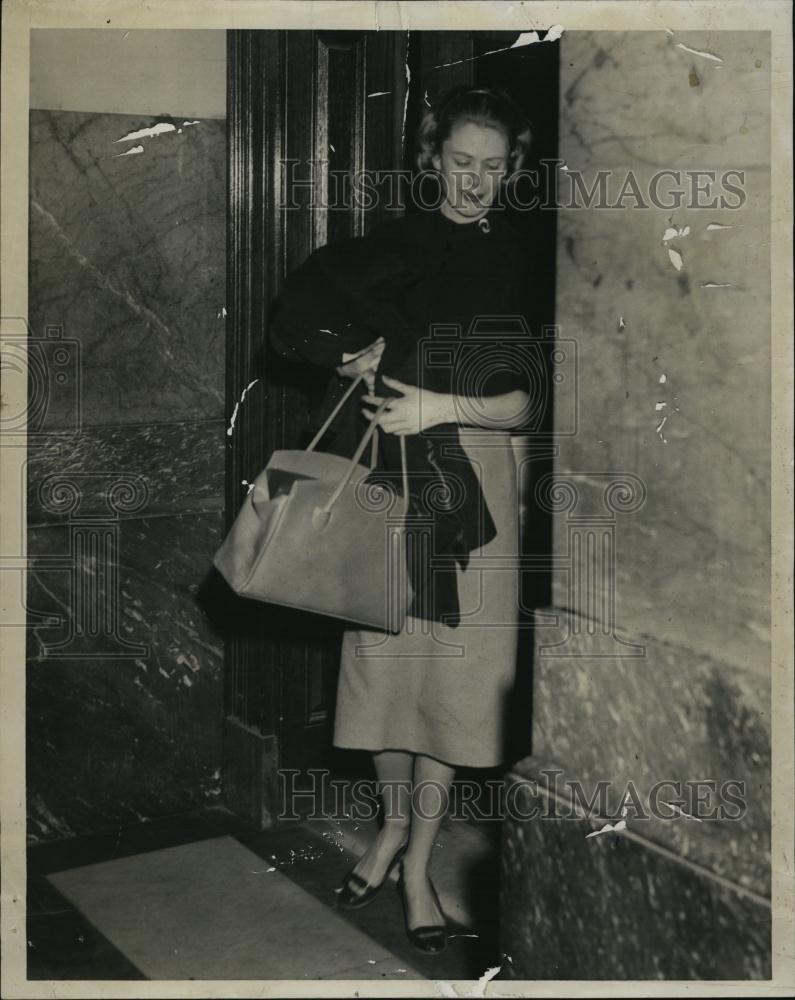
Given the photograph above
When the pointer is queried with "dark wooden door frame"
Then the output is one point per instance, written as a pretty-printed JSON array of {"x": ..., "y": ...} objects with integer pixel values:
[{"x": 255, "y": 252}]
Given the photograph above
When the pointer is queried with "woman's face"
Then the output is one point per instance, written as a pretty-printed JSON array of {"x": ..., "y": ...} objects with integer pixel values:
[{"x": 472, "y": 162}]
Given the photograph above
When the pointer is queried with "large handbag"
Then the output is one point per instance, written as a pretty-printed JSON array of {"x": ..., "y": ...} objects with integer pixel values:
[{"x": 313, "y": 534}]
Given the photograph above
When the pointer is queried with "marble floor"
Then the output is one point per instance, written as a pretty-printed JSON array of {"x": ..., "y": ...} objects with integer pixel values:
[{"x": 204, "y": 897}]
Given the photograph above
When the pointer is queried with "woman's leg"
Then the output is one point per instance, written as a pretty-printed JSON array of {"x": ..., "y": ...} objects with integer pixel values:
[
  {"x": 393, "y": 769},
  {"x": 429, "y": 807}
]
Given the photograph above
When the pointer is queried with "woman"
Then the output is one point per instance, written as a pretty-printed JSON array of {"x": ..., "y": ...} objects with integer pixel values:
[{"x": 400, "y": 307}]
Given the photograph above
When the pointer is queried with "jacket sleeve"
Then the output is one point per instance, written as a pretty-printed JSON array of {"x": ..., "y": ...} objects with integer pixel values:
[{"x": 318, "y": 317}]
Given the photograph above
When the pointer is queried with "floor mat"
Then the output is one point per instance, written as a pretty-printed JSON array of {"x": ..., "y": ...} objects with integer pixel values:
[{"x": 213, "y": 910}]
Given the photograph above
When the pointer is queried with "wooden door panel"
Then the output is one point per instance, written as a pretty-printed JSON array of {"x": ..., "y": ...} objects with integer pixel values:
[
  {"x": 339, "y": 148},
  {"x": 332, "y": 129}
]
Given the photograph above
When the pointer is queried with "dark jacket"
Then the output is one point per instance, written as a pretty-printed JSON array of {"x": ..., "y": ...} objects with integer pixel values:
[{"x": 448, "y": 298}]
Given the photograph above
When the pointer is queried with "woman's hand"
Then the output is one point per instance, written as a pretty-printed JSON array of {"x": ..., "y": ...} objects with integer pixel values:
[
  {"x": 414, "y": 411},
  {"x": 364, "y": 363}
]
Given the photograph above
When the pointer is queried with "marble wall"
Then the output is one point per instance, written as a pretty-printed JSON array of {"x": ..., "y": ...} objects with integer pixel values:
[
  {"x": 674, "y": 364},
  {"x": 618, "y": 907},
  {"x": 653, "y": 662},
  {"x": 125, "y": 471}
]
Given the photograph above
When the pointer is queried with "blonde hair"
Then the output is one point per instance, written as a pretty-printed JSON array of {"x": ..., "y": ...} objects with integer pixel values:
[{"x": 482, "y": 106}]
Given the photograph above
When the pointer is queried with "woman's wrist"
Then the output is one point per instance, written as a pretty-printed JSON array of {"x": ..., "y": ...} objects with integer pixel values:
[
  {"x": 500, "y": 411},
  {"x": 443, "y": 409}
]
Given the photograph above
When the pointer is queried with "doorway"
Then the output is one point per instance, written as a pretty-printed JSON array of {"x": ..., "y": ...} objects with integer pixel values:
[{"x": 306, "y": 109}]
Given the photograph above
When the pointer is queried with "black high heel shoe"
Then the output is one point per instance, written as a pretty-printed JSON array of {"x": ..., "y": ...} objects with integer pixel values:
[
  {"x": 431, "y": 939},
  {"x": 350, "y": 899}
]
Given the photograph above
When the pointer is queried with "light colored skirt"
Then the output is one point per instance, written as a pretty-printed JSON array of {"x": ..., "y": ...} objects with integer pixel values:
[{"x": 437, "y": 690}]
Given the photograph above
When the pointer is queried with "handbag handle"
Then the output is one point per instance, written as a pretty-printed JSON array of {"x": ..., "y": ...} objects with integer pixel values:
[
  {"x": 328, "y": 421},
  {"x": 369, "y": 433}
]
